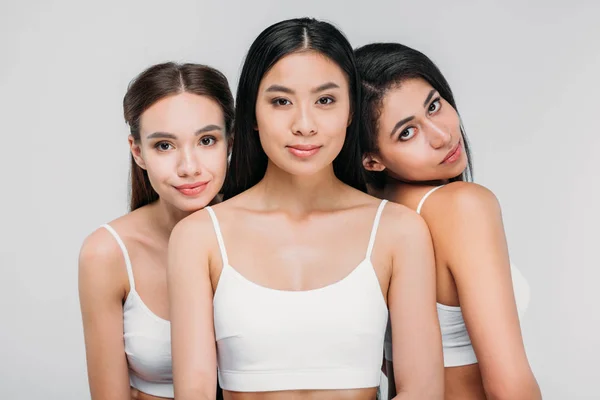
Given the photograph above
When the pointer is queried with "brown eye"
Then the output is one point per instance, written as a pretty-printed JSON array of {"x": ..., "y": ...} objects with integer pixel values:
[
  {"x": 281, "y": 102},
  {"x": 163, "y": 146},
  {"x": 434, "y": 106},
  {"x": 207, "y": 141},
  {"x": 325, "y": 101},
  {"x": 407, "y": 133}
]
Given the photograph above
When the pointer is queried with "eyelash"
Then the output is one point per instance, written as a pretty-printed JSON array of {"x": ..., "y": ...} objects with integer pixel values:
[
  {"x": 400, "y": 138},
  {"x": 436, "y": 100},
  {"x": 157, "y": 146},
  {"x": 331, "y": 100},
  {"x": 214, "y": 139},
  {"x": 276, "y": 101}
]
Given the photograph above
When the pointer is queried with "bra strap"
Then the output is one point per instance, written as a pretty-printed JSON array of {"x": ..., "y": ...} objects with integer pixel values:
[
  {"x": 215, "y": 222},
  {"x": 374, "y": 229},
  {"x": 125, "y": 255},
  {"x": 425, "y": 198}
]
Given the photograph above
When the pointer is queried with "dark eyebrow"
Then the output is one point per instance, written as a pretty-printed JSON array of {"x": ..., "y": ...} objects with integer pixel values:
[
  {"x": 429, "y": 96},
  {"x": 161, "y": 135},
  {"x": 325, "y": 86},
  {"x": 208, "y": 128},
  {"x": 165, "y": 135},
  {"x": 400, "y": 123},
  {"x": 279, "y": 88}
]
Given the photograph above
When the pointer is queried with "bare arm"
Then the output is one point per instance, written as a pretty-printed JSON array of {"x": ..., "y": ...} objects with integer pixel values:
[
  {"x": 191, "y": 309},
  {"x": 478, "y": 259},
  {"x": 416, "y": 337},
  {"x": 101, "y": 291}
]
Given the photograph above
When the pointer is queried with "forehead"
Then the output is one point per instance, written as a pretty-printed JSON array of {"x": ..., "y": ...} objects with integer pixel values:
[
  {"x": 407, "y": 97},
  {"x": 304, "y": 70},
  {"x": 181, "y": 113}
]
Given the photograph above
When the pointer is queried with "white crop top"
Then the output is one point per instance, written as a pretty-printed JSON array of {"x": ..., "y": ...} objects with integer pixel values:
[
  {"x": 456, "y": 343},
  {"x": 325, "y": 338},
  {"x": 147, "y": 339}
]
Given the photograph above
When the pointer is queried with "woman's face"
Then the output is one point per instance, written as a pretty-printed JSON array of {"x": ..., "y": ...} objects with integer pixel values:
[
  {"x": 418, "y": 137},
  {"x": 184, "y": 149},
  {"x": 302, "y": 112}
]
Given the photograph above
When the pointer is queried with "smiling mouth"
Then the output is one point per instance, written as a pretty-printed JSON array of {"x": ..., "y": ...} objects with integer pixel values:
[
  {"x": 192, "y": 189},
  {"x": 303, "y": 150},
  {"x": 453, "y": 154}
]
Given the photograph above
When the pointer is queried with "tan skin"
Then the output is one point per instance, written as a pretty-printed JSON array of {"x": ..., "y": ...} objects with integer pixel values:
[
  {"x": 301, "y": 210},
  {"x": 465, "y": 221},
  {"x": 184, "y": 157}
]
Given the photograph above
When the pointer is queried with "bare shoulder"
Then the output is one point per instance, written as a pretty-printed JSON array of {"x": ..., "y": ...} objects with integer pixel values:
[
  {"x": 101, "y": 260},
  {"x": 468, "y": 193},
  {"x": 461, "y": 202},
  {"x": 101, "y": 247},
  {"x": 400, "y": 222},
  {"x": 192, "y": 247},
  {"x": 195, "y": 225}
]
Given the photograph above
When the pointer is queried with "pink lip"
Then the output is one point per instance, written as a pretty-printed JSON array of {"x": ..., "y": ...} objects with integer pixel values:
[
  {"x": 303, "y": 150},
  {"x": 453, "y": 155},
  {"x": 192, "y": 189}
]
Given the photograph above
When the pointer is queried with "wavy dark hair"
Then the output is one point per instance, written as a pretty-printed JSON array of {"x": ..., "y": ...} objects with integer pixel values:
[
  {"x": 160, "y": 81},
  {"x": 383, "y": 66},
  {"x": 248, "y": 159}
]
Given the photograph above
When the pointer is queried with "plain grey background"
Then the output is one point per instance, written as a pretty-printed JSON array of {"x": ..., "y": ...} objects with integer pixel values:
[{"x": 525, "y": 76}]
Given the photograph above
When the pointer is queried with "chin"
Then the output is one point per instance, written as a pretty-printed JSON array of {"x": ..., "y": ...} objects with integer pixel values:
[
  {"x": 192, "y": 205},
  {"x": 302, "y": 168}
]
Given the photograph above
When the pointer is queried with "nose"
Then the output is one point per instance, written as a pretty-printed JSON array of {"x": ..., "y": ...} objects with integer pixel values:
[
  {"x": 188, "y": 163},
  {"x": 439, "y": 136},
  {"x": 304, "y": 123}
]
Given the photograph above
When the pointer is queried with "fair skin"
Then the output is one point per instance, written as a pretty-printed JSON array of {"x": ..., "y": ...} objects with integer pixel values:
[
  {"x": 182, "y": 141},
  {"x": 417, "y": 131},
  {"x": 301, "y": 210}
]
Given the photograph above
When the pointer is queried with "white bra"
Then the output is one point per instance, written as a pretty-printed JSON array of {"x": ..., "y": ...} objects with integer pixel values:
[
  {"x": 456, "y": 343},
  {"x": 325, "y": 338},
  {"x": 147, "y": 339}
]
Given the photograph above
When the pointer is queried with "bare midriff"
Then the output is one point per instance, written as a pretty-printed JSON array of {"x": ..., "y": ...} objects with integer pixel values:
[
  {"x": 137, "y": 395},
  {"x": 351, "y": 394}
]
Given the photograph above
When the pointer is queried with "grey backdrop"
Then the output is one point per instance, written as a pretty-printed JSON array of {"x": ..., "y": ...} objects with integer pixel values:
[{"x": 525, "y": 78}]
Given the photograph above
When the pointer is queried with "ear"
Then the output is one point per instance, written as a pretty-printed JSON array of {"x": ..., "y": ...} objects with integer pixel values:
[
  {"x": 372, "y": 163},
  {"x": 350, "y": 116},
  {"x": 136, "y": 152}
]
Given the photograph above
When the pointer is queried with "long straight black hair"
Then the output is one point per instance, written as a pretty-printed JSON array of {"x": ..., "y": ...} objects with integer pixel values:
[
  {"x": 248, "y": 159},
  {"x": 383, "y": 66}
]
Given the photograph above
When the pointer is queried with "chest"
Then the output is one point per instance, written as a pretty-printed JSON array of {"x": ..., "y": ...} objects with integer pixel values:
[
  {"x": 149, "y": 266},
  {"x": 297, "y": 255}
]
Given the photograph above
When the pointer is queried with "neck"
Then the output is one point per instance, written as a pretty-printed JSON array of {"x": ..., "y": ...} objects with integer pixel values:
[
  {"x": 299, "y": 195},
  {"x": 394, "y": 187},
  {"x": 165, "y": 217}
]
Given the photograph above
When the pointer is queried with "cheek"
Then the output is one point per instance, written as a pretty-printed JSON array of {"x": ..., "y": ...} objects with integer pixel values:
[
  {"x": 272, "y": 126},
  {"x": 216, "y": 163},
  {"x": 334, "y": 124},
  {"x": 405, "y": 161},
  {"x": 267, "y": 118},
  {"x": 452, "y": 122},
  {"x": 159, "y": 166}
]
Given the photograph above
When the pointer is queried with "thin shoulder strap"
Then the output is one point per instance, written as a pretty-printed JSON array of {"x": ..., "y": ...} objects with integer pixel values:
[
  {"x": 215, "y": 222},
  {"x": 425, "y": 198},
  {"x": 374, "y": 229},
  {"x": 125, "y": 255}
]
